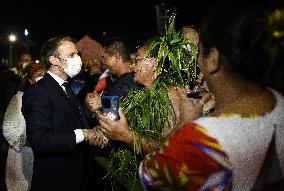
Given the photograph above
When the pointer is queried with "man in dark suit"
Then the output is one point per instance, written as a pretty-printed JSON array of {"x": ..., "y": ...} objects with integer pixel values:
[{"x": 55, "y": 122}]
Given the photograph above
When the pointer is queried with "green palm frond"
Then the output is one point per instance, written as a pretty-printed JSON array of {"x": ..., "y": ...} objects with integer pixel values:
[{"x": 180, "y": 54}]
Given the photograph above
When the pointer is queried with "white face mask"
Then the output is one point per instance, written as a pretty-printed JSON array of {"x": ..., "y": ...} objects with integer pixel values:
[
  {"x": 38, "y": 78},
  {"x": 73, "y": 66}
]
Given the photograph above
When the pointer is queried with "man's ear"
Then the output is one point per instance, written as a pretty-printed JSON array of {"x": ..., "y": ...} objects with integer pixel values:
[
  {"x": 53, "y": 60},
  {"x": 213, "y": 64},
  {"x": 118, "y": 57},
  {"x": 154, "y": 64}
]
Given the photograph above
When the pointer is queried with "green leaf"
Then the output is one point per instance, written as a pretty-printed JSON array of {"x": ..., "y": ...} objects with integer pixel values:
[
  {"x": 175, "y": 40},
  {"x": 103, "y": 161}
]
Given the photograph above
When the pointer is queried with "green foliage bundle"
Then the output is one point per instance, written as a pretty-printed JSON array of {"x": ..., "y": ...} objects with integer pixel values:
[
  {"x": 147, "y": 112},
  {"x": 176, "y": 58}
]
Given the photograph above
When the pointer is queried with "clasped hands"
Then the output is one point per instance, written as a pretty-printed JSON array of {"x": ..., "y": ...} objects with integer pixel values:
[
  {"x": 108, "y": 129},
  {"x": 95, "y": 137}
]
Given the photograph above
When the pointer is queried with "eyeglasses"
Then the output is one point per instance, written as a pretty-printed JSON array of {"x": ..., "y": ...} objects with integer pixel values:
[{"x": 142, "y": 58}]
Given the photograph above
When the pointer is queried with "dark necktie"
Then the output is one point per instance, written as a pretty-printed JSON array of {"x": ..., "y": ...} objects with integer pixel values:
[
  {"x": 74, "y": 101},
  {"x": 72, "y": 97},
  {"x": 70, "y": 93}
]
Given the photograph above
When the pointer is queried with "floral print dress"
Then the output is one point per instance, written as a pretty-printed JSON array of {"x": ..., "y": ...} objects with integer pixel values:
[
  {"x": 223, "y": 152},
  {"x": 189, "y": 160}
]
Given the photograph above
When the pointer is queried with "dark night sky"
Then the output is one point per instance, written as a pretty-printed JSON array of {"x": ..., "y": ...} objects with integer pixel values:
[{"x": 134, "y": 20}]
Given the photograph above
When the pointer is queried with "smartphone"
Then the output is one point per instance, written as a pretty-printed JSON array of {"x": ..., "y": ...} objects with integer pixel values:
[
  {"x": 110, "y": 106},
  {"x": 196, "y": 92}
]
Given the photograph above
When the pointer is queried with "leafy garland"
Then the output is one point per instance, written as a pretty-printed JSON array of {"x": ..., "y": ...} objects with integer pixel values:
[
  {"x": 149, "y": 110},
  {"x": 179, "y": 53}
]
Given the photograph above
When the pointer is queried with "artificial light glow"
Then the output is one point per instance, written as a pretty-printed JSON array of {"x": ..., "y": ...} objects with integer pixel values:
[
  {"x": 12, "y": 38},
  {"x": 37, "y": 61},
  {"x": 26, "y": 32}
]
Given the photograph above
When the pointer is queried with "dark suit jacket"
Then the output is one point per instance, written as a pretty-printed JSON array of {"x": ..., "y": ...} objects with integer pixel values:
[{"x": 51, "y": 118}]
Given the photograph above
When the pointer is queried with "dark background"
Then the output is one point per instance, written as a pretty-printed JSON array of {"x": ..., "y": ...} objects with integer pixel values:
[{"x": 133, "y": 20}]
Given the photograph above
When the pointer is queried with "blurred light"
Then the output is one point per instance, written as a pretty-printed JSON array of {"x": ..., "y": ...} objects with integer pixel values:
[
  {"x": 26, "y": 32},
  {"x": 278, "y": 34},
  {"x": 37, "y": 61},
  {"x": 12, "y": 38}
]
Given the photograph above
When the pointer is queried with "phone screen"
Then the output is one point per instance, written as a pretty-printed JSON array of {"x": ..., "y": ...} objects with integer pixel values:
[
  {"x": 106, "y": 102},
  {"x": 110, "y": 104}
]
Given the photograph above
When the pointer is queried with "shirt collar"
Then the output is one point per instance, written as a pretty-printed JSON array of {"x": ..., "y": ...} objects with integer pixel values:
[{"x": 59, "y": 80}]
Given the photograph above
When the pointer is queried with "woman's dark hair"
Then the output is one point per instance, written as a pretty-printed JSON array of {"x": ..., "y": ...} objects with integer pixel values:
[
  {"x": 240, "y": 33},
  {"x": 50, "y": 48}
]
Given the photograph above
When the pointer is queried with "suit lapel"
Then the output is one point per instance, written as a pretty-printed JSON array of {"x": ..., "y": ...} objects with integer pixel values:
[{"x": 55, "y": 90}]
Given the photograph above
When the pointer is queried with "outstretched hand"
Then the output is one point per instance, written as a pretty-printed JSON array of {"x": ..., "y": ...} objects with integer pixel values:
[{"x": 115, "y": 130}]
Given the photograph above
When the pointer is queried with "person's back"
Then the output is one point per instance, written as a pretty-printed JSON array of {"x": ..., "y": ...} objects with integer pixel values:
[
  {"x": 247, "y": 140},
  {"x": 248, "y": 119}
]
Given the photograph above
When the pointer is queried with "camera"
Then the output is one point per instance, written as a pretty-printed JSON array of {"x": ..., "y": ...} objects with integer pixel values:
[{"x": 110, "y": 106}]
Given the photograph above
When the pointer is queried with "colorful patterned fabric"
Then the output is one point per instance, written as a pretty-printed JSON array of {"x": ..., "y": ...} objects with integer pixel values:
[{"x": 189, "y": 160}]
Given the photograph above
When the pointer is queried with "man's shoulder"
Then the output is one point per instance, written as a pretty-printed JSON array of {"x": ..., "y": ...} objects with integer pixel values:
[
  {"x": 35, "y": 90},
  {"x": 40, "y": 88}
]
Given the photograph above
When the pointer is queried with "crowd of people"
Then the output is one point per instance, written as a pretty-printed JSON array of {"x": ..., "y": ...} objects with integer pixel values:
[{"x": 214, "y": 124}]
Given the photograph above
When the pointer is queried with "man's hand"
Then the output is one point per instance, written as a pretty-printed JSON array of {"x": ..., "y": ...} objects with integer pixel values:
[
  {"x": 187, "y": 109},
  {"x": 93, "y": 101},
  {"x": 97, "y": 138},
  {"x": 115, "y": 130}
]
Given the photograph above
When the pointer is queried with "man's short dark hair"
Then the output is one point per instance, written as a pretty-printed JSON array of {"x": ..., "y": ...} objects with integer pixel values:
[
  {"x": 50, "y": 48},
  {"x": 117, "y": 45}
]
